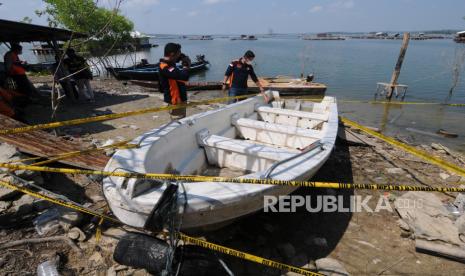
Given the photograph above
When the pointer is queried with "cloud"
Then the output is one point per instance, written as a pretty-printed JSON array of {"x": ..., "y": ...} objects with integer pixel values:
[
  {"x": 343, "y": 4},
  {"x": 134, "y": 3},
  {"x": 193, "y": 13},
  {"x": 315, "y": 9},
  {"x": 213, "y": 2}
]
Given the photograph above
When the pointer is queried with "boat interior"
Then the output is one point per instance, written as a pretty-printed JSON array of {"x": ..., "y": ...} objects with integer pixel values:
[{"x": 269, "y": 135}]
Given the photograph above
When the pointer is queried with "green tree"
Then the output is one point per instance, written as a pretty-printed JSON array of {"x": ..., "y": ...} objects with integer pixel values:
[
  {"x": 85, "y": 16},
  {"x": 25, "y": 19}
]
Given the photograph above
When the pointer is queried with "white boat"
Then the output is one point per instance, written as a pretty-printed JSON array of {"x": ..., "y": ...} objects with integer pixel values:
[{"x": 286, "y": 140}]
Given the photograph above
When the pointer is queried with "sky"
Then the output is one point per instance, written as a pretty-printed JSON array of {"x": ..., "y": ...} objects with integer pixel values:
[{"x": 261, "y": 16}]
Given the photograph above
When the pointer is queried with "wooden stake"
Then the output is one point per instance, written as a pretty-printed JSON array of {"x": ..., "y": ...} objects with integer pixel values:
[{"x": 400, "y": 60}]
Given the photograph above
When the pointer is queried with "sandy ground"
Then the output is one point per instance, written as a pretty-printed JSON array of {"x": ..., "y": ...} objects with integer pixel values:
[{"x": 365, "y": 243}]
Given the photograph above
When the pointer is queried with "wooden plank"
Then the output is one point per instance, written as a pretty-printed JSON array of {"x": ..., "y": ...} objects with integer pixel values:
[{"x": 40, "y": 143}]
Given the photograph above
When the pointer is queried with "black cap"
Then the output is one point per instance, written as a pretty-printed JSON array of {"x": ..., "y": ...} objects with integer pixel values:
[
  {"x": 16, "y": 47},
  {"x": 172, "y": 48},
  {"x": 249, "y": 54}
]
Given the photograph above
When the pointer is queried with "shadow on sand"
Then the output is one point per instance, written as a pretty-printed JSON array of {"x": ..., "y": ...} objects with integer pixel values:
[
  {"x": 23, "y": 216},
  {"x": 40, "y": 111}
]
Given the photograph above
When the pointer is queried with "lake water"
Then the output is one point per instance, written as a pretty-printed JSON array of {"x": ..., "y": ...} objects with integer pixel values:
[{"x": 351, "y": 69}]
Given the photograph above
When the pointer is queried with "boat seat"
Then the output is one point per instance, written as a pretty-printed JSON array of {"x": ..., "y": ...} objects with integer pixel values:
[
  {"x": 302, "y": 119},
  {"x": 276, "y": 134},
  {"x": 239, "y": 154}
]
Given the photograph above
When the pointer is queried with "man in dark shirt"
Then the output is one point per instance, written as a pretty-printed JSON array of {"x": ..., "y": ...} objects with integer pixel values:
[
  {"x": 238, "y": 73},
  {"x": 172, "y": 80},
  {"x": 81, "y": 73}
]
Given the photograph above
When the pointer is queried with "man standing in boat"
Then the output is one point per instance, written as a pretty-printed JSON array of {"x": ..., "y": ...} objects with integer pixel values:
[
  {"x": 172, "y": 80},
  {"x": 238, "y": 73}
]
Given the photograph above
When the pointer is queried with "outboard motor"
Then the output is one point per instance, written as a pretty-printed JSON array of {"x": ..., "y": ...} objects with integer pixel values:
[
  {"x": 310, "y": 78},
  {"x": 144, "y": 61}
]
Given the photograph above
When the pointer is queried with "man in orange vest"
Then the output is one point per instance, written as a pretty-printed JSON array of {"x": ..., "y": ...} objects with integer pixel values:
[
  {"x": 172, "y": 80},
  {"x": 237, "y": 75},
  {"x": 15, "y": 69}
]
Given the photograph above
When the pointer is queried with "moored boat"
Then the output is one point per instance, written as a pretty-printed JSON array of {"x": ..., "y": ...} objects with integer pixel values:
[
  {"x": 289, "y": 86},
  {"x": 41, "y": 67},
  {"x": 285, "y": 140},
  {"x": 460, "y": 37},
  {"x": 245, "y": 37},
  {"x": 190, "y": 86},
  {"x": 150, "y": 74},
  {"x": 149, "y": 71}
]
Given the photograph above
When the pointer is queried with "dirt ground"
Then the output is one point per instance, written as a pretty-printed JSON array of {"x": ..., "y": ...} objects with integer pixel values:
[{"x": 364, "y": 243}]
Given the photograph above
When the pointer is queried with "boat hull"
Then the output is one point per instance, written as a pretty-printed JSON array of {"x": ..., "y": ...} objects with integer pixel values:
[
  {"x": 311, "y": 89},
  {"x": 289, "y": 86},
  {"x": 315, "y": 89},
  {"x": 190, "y": 86},
  {"x": 148, "y": 72}
]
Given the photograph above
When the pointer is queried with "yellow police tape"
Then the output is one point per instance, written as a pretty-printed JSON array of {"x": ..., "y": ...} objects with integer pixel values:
[
  {"x": 419, "y": 153},
  {"x": 200, "y": 178},
  {"x": 402, "y": 103},
  {"x": 55, "y": 201},
  {"x": 171, "y": 107},
  {"x": 245, "y": 256},
  {"x": 119, "y": 145},
  {"x": 317, "y": 98},
  {"x": 117, "y": 115},
  {"x": 184, "y": 237},
  {"x": 50, "y": 159}
]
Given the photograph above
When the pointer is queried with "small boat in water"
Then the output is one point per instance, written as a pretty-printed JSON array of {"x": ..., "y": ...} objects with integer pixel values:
[
  {"x": 41, "y": 67},
  {"x": 289, "y": 86},
  {"x": 245, "y": 37},
  {"x": 460, "y": 37},
  {"x": 285, "y": 140},
  {"x": 149, "y": 71},
  {"x": 141, "y": 65},
  {"x": 190, "y": 86},
  {"x": 202, "y": 37}
]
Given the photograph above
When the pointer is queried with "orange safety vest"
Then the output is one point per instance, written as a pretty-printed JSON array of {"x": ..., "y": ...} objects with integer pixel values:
[
  {"x": 16, "y": 69},
  {"x": 174, "y": 88}
]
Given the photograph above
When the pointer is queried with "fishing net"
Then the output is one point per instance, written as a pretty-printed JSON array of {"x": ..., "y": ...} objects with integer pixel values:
[{"x": 457, "y": 67}]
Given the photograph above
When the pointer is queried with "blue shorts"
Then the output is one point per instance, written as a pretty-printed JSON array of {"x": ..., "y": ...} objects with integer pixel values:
[{"x": 236, "y": 92}]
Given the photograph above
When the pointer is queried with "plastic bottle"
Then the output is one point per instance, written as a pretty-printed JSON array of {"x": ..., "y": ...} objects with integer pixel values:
[{"x": 47, "y": 268}]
